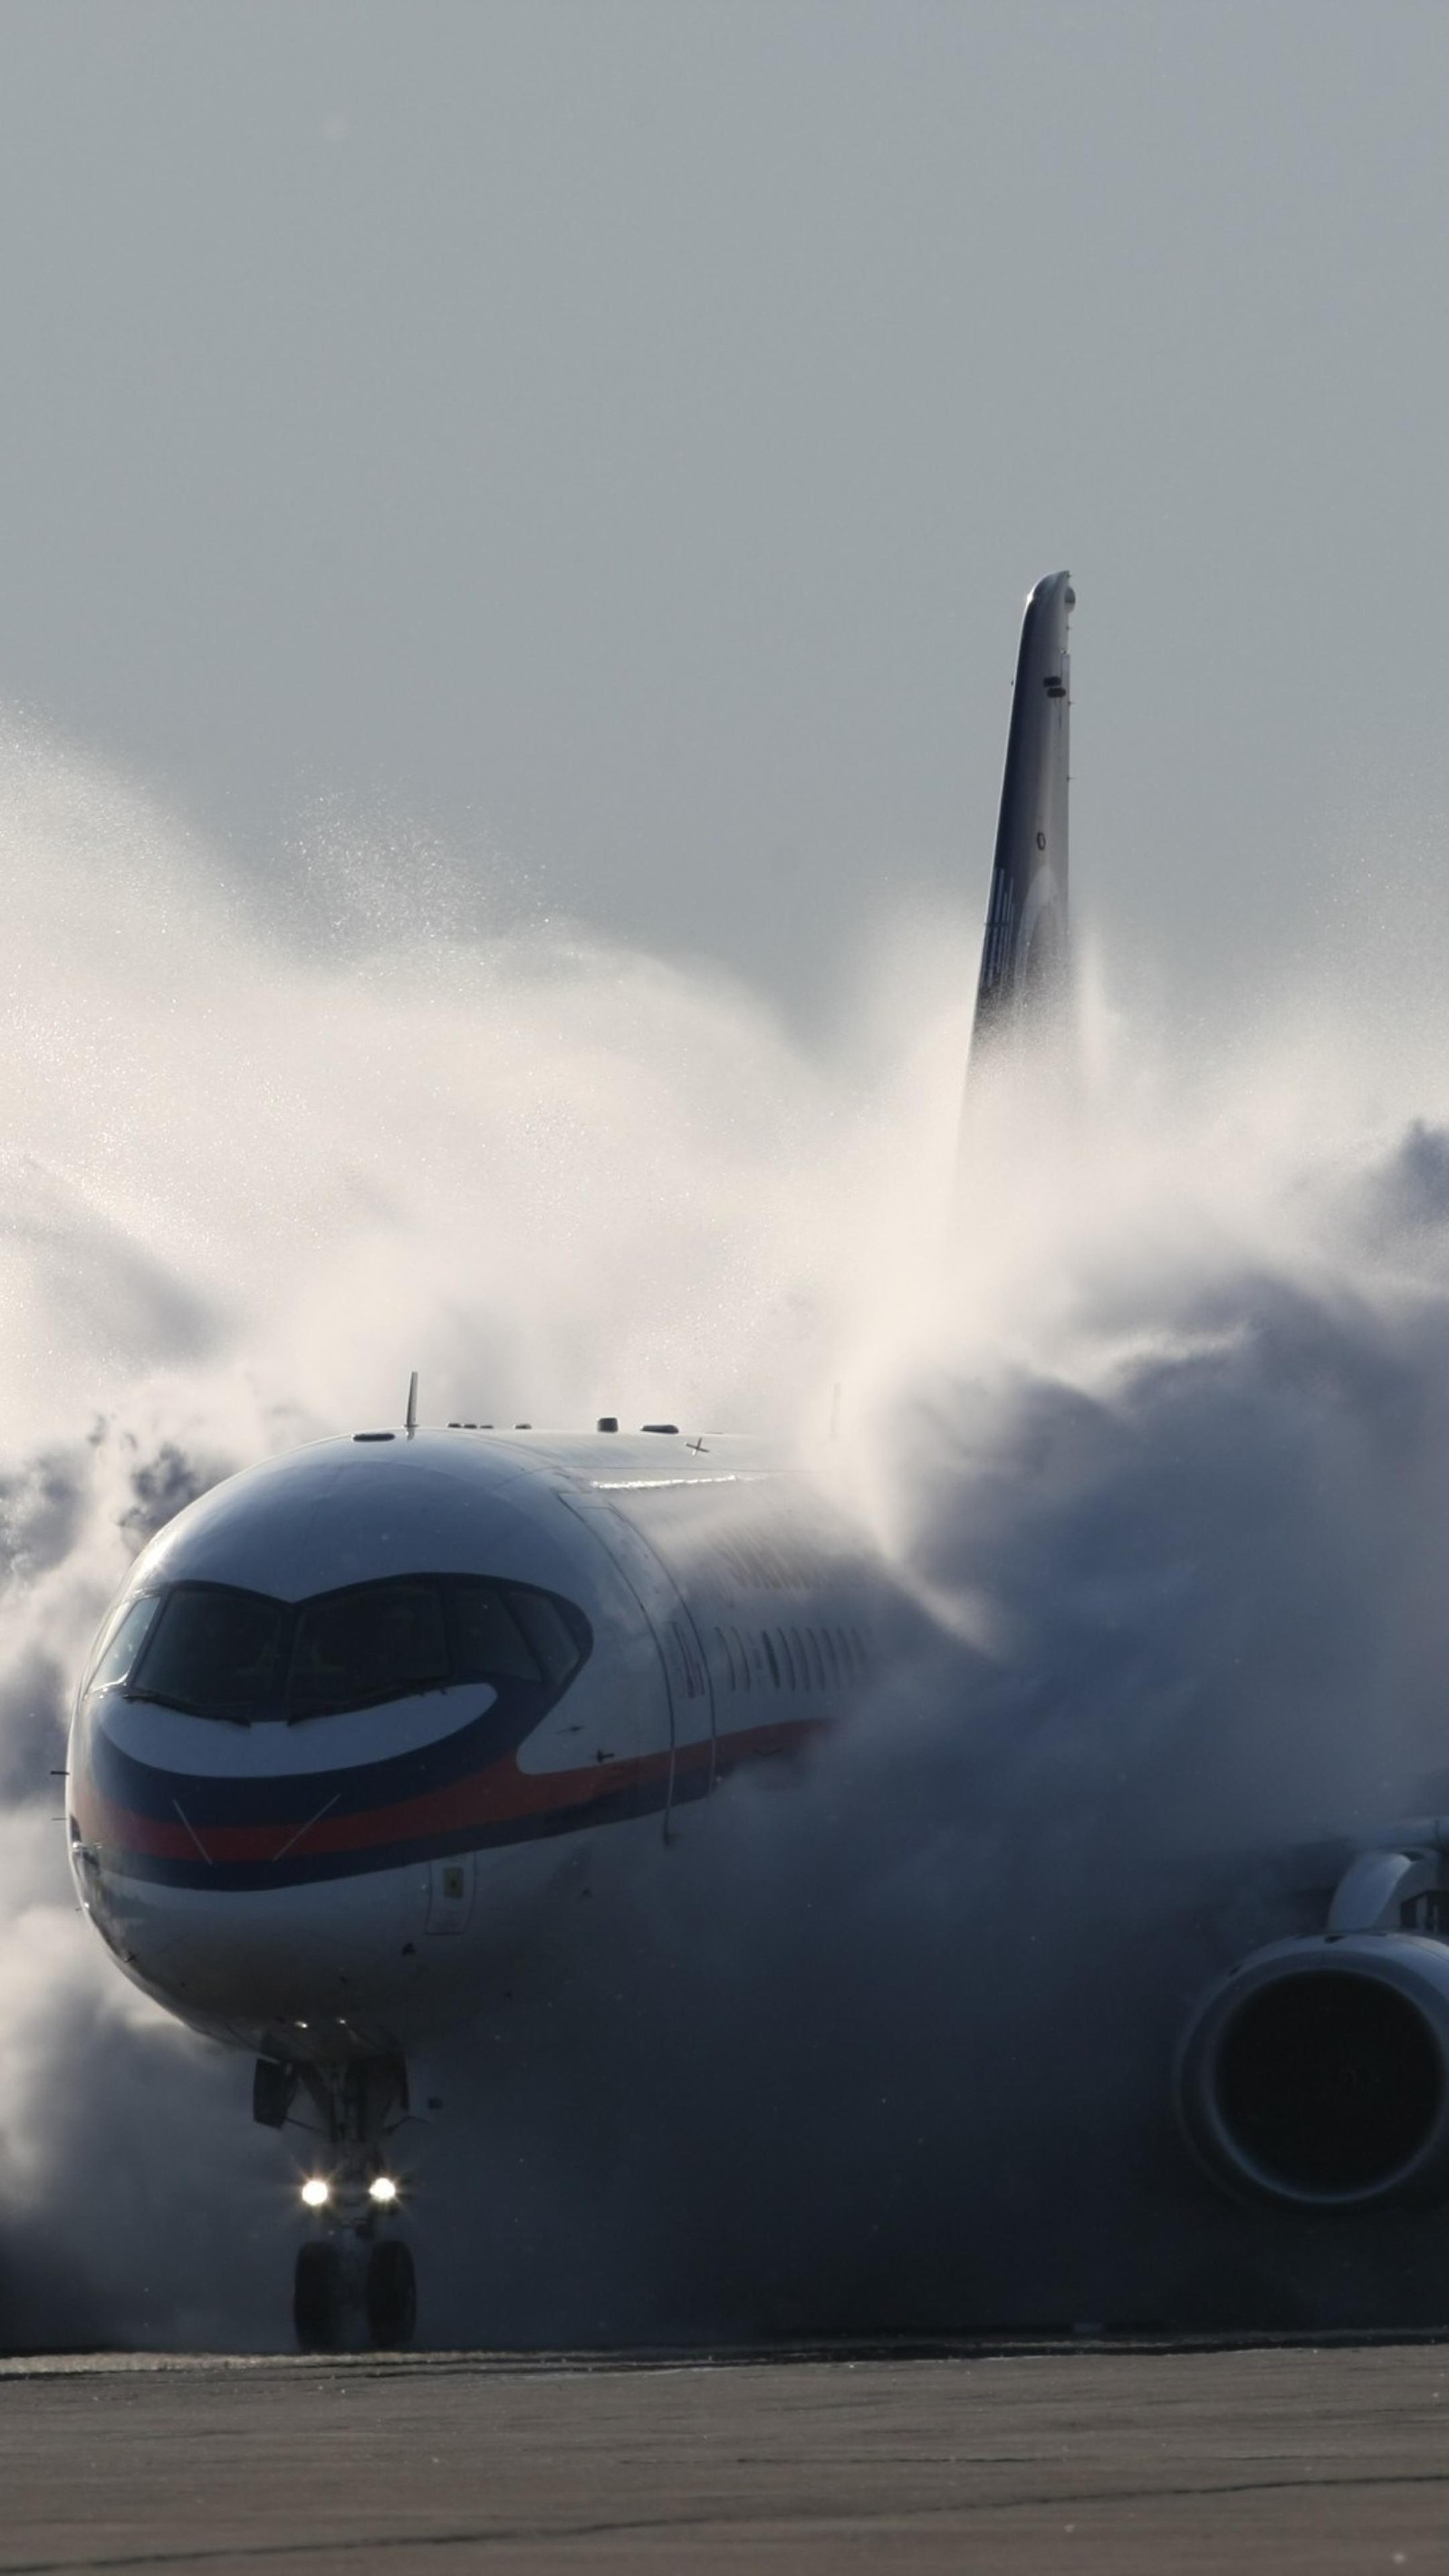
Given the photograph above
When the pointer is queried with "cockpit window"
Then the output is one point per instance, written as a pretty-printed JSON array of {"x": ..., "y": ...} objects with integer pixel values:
[
  {"x": 383, "y": 1641},
  {"x": 487, "y": 1637},
  {"x": 215, "y": 1650},
  {"x": 555, "y": 1645},
  {"x": 121, "y": 1641}
]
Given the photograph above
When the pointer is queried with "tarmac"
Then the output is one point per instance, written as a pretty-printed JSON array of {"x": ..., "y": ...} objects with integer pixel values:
[{"x": 1088, "y": 2457}]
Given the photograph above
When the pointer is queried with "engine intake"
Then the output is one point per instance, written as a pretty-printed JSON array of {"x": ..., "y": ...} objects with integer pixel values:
[{"x": 1316, "y": 2075}]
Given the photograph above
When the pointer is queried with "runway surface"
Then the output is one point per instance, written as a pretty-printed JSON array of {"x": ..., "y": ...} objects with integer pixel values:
[{"x": 1048, "y": 2458}]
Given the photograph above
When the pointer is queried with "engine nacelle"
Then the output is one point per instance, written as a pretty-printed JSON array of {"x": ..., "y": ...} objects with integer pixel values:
[{"x": 1316, "y": 2075}]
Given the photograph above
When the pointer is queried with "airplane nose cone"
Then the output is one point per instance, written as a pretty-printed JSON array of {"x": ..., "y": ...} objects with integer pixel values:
[{"x": 321, "y": 1959}]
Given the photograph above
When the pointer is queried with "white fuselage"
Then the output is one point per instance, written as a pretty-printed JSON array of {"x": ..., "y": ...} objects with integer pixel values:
[{"x": 364, "y": 1716}]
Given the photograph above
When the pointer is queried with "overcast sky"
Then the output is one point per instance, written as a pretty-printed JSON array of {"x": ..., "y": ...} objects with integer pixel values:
[{"x": 617, "y": 436}]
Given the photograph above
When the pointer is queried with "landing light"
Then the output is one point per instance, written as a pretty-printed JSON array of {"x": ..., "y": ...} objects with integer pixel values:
[
  {"x": 315, "y": 2192},
  {"x": 382, "y": 2188}
]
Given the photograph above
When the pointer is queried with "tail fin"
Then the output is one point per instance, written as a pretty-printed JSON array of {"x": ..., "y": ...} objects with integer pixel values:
[{"x": 1024, "y": 954}]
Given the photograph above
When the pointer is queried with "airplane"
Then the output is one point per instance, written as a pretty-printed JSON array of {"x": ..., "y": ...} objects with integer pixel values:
[{"x": 362, "y": 1709}]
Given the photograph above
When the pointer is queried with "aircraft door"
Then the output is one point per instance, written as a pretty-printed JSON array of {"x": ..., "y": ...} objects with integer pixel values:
[{"x": 687, "y": 1679}]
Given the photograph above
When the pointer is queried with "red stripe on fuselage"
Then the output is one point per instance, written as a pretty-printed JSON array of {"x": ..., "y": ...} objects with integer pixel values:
[{"x": 501, "y": 1795}]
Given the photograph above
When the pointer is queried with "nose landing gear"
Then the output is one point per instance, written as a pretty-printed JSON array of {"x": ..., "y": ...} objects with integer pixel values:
[
  {"x": 347, "y": 2292},
  {"x": 354, "y": 2285},
  {"x": 320, "y": 2296},
  {"x": 391, "y": 2294}
]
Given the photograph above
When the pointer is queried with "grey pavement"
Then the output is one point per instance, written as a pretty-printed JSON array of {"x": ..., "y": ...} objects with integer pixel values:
[{"x": 1276, "y": 2457}]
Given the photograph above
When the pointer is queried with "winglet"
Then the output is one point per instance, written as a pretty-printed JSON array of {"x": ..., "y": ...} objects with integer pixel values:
[{"x": 1024, "y": 953}]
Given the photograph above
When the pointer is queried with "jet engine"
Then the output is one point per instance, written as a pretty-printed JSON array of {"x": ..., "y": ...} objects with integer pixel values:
[{"x": 1316, "y": 2074}]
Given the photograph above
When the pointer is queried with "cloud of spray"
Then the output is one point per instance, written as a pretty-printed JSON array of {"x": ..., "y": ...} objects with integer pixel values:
[
  {"x": 1157, "y": 1437},
  {"x": 1166, "y": 1457}
]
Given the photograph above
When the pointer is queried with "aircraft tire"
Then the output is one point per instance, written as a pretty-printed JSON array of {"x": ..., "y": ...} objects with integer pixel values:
[
  {"x": 392, "y": 2295},
  {"x": 318, "y": 2297}
]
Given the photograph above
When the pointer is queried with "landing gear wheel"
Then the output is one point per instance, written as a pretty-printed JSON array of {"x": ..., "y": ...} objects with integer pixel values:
[
  {"x": 318, "y": 2297},
  {"x": 392, "y": 2295}
]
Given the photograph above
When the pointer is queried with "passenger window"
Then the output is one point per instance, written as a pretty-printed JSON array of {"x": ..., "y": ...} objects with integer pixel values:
[
  {"x": 744, "y": 1659},
  {"x": 816, "y": 1659},
  {"x": 831, "y": 1658},
  {"x": 770, "y": 1658}
]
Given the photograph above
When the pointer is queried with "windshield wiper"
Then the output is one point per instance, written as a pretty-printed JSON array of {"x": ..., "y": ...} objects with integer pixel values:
[
  {"x": 188, "y": 1707},
  {"x": 413, "y": 1687}
]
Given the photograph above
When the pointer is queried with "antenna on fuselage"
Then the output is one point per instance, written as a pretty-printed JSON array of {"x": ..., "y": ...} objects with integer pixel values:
[{"x": 410, "y": 1423}]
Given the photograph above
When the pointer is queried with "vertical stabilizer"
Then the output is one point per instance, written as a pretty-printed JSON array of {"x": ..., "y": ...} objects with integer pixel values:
[{"x": 1024, "y": 954}]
